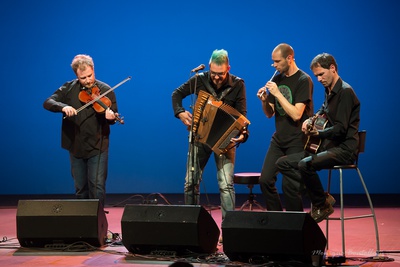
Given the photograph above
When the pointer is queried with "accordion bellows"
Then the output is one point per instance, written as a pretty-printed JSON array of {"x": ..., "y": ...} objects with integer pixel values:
[{"x": 215, "y": 123}]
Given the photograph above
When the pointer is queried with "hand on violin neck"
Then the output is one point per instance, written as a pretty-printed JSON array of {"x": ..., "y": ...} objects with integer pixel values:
[
  {"x": 110, "y": 115},
  {"x": 69, "y": 111}
]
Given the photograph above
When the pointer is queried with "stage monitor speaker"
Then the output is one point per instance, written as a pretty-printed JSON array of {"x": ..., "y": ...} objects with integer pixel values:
[
  {"x": 54, "y": 223},
  {"x": 272, "y": 236},
  {"x": 168, "y": 229}
]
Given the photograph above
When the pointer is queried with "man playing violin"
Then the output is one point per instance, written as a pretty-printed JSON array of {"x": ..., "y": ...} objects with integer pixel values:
[{"x": 85, "y": 132}]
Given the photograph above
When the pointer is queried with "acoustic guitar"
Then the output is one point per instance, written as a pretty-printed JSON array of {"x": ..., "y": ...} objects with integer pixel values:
[{"x": 317, "y": 122}]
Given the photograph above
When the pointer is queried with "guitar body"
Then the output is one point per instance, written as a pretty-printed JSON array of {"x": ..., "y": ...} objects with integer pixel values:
[{"x": 314, "y": 142}]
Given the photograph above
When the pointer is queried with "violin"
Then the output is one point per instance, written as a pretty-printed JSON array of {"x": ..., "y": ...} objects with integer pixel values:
[{"x": 100, "y": 103}]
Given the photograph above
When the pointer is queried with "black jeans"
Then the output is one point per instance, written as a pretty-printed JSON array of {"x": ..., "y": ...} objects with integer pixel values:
[
  {"x": 292, "y": 186},
  {"x": 306, "y": 165}
]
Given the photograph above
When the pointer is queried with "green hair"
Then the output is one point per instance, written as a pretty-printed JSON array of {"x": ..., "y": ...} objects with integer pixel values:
[{"x": 219, "y": 57}]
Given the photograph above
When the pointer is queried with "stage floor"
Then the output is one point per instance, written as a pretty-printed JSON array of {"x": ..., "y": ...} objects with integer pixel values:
[{"x": 360, "y": 240}]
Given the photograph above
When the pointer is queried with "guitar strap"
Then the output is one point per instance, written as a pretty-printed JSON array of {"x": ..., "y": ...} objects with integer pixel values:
[
  {"x": 324, "y": 108},
  {"x": 325, "y": 143}
]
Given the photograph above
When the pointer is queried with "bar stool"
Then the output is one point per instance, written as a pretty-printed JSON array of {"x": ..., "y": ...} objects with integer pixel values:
[
  {"x": 250, "y": 179},
  {"x": 342, "y": 218}
]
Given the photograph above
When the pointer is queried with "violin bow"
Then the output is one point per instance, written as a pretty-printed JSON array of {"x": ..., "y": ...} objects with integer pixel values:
[
  {"x": 100, "y": 96},
  {"x": 103, "y": 94}
]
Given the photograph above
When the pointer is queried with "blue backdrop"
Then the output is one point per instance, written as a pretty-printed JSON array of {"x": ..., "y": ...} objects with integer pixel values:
[{"x": 158, "y": 43}]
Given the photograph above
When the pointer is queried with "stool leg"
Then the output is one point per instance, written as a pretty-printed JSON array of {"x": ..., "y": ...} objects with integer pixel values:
[
  {"x": 244, "y": 205},
  {"x": 250, "y": 200},
  {"x": 328, "y": 189},
  {"x": 342, "y": 218},
  {"x": 372, "y": 211},
  {"x": 342, "y": 211},
  {"x": 251, "y": 197},
  {"x": 253, "y": 201},
  {"x": 258, "y": 205}
]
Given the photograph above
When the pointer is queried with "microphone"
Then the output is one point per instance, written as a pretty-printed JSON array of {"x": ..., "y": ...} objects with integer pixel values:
[{"x": 200, "y": 67}]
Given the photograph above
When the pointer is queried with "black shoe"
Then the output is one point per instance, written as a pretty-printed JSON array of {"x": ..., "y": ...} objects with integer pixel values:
[{"x": 321, "y": 213}]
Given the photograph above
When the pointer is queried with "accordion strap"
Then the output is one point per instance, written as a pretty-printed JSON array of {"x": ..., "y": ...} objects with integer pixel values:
[{"x": 211, "y": 90}]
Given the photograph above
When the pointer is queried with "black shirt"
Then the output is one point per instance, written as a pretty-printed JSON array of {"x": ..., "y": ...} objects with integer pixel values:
[
  {"x": 235, "y": 97},
  {"x": 87, "y": 133},
  {"x": 342, "y": 109}
]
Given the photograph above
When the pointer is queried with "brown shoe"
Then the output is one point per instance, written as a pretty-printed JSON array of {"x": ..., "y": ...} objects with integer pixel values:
[
  {"x": 321, "y": 213},
  {"x": 330, "y": 199}
]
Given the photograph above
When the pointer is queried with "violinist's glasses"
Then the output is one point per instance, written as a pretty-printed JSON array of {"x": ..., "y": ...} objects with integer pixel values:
[{"x": 219, "y": 74}]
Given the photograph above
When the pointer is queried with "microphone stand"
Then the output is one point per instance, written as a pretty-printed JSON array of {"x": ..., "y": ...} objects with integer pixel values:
[{"x": 193, "y": 173}]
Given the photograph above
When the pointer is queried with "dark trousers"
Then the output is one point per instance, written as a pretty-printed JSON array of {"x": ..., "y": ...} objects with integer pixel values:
[
  {"x": 292, "y": 187},
  {"x": 305, "y": 167}
]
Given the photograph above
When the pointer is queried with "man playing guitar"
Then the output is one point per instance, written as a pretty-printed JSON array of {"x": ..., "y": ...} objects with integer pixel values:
[{"x": 341, "y": 109}]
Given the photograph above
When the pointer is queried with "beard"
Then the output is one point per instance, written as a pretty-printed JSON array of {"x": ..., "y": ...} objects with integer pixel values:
[{"x": 218, "y": 82}]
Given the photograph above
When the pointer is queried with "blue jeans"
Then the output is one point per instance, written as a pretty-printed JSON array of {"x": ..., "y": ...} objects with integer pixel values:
[
  {"x": 90, "y": 176},
  {"x": 225, "y": 167}
]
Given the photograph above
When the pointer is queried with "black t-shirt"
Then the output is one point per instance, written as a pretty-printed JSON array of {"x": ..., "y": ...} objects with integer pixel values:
[{"x": 297, "y": 88}]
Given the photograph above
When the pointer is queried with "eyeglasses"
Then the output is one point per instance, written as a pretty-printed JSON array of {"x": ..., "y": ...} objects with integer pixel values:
[{"x": 219, "y": 74}]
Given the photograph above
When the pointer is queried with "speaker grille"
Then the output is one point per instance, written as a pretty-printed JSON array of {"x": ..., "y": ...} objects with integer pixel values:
[
  {"x": 54, "y": 222},
  {"x": 177, "y": 229},
  {"x": 272, "y": 236}
]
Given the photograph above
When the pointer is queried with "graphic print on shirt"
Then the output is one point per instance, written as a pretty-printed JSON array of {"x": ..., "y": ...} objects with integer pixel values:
[{"x": 287, "y": 93}]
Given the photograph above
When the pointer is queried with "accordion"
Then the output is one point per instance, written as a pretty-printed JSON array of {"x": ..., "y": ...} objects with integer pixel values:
[{"x": 215, "y": 123}]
